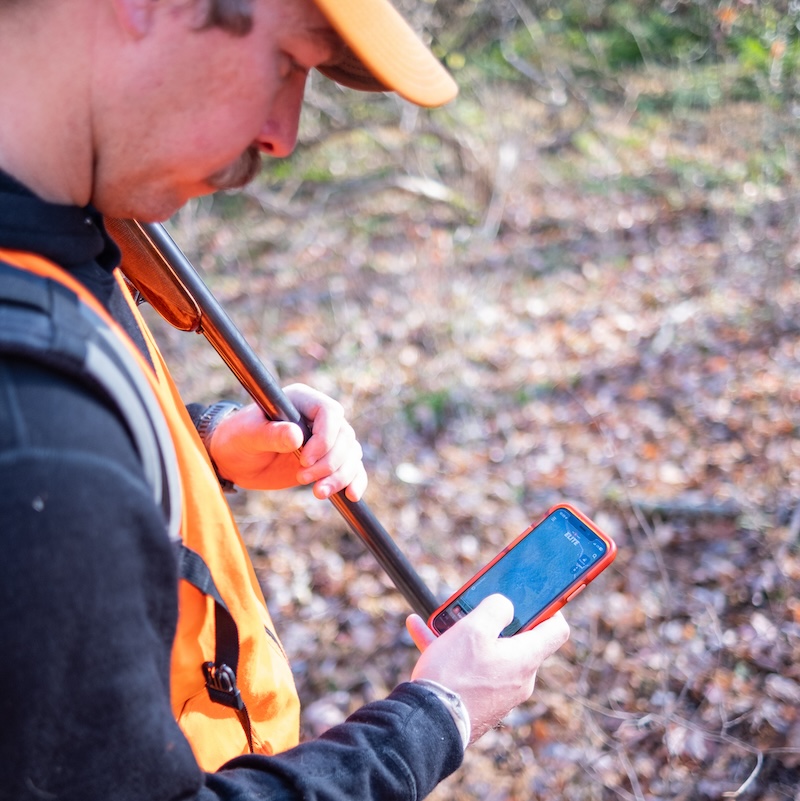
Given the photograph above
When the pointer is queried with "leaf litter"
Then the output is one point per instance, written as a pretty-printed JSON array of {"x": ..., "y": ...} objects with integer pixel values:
[{"x": 629, "y": 345}]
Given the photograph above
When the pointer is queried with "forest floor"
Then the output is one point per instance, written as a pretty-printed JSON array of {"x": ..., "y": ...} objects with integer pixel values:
[{"x": 519, "y": 304}]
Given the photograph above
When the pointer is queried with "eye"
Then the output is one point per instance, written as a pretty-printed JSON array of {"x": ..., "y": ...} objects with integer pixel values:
[
  {"x": 288, "y": 66},
  {"x": 301, "y": 51}
]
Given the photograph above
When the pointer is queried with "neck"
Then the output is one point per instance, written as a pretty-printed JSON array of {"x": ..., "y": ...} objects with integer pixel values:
[{"x": 45, "y": 129}]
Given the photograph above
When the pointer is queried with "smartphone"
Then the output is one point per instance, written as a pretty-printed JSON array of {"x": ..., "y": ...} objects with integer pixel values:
[{"x": 539, "y": 572}]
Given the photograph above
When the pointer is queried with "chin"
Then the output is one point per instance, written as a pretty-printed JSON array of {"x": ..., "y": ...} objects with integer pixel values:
[{"x": 149, "y": 209}]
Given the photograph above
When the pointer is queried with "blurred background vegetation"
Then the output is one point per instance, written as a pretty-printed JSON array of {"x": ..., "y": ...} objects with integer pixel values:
[{"x": 578, "y": 281}]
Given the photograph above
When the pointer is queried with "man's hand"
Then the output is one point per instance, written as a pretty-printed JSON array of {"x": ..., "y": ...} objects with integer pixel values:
[
  {"x": 255, "y": 453},
  {"x": 492, "y": 675}
]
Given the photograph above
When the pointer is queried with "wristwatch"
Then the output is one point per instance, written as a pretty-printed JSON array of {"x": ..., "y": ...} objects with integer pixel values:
[
  {"x": 454, "y": 705},
  {"x": 207, "y": 422}
]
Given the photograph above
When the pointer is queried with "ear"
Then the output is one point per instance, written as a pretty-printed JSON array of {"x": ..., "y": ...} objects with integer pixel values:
[{"x": 135, "y": 16}]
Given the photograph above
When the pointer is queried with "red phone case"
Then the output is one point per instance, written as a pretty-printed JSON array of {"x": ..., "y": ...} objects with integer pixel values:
[{"x": 569, "y": 593}]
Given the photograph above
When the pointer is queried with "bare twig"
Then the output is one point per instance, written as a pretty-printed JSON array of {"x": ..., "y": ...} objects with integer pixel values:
[
  {"x": 750, "y": 779},
  {"x": 631, "y": 773},
  {"x": 507, "y": 159},
  {"x": 684, "y": 508}
]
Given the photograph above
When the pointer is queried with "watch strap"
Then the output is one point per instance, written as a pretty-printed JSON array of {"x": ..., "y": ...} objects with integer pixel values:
[
  {"x": 454, "y": 705},
  {"x": 208, "y": 420}
]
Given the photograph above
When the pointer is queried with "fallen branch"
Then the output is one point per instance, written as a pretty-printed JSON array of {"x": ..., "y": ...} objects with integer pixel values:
[{"x": 688, "y": 508}]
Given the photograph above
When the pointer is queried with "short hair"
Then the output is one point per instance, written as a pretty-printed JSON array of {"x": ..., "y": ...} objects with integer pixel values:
[{"x": 234, "y": 16}]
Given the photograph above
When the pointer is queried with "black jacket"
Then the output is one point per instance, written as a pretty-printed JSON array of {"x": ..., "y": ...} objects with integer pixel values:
[{"x": 88, "y": 601}]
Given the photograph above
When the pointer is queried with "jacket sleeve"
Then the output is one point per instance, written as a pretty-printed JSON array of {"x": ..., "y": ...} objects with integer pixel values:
[{"x": 398, "y": 749}]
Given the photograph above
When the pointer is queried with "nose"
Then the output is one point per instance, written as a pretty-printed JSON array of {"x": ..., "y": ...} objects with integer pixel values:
[{"x": 278, "y": 137}]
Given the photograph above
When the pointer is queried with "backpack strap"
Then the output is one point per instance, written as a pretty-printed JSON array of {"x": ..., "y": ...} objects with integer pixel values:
[
  {"x": 220, "y": 675},
  {"x": 44, "y": 321}
]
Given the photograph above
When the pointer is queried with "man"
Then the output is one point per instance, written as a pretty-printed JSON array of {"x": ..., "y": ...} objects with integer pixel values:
[{"x": 128, "y": 108}]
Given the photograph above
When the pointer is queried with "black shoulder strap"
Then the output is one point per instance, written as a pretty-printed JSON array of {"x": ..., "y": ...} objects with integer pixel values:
[
  {"x": 220, "y": 675},
  {"x": 42, "y": 320}
]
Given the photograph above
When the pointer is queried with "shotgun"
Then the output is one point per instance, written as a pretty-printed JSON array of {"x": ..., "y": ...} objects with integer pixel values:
[{"x": 158, "y": 269}]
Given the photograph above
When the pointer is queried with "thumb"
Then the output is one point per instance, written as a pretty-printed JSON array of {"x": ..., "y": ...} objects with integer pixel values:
[
  {"x": 492, "y": 614},
  {"x": 281, "y": 437},
  {"x": 419, "y": 632}
]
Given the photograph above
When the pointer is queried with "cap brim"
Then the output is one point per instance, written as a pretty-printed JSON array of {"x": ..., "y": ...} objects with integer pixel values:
[{"x": 384, "y": 54}]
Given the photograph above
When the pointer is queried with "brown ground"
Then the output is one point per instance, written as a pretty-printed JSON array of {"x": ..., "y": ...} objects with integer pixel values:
[{"x": 518, "y": 304}]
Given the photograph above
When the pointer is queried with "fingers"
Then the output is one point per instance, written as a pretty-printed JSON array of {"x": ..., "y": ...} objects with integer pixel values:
[
  {"x": 546, "y": 638},
  {"x": 491, "y": 674},
  {"x": 339, "y": 467},
  {"x": 331, "y": 460},
  {"x": 357, "y": 487},
  {"x": 259, "y": 454},
  {"x": 326, "y": 419},
  {"x": 420, "y": 633}
]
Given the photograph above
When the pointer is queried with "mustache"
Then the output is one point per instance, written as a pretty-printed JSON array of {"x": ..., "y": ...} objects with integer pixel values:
[{"x": 238, "y": 173}]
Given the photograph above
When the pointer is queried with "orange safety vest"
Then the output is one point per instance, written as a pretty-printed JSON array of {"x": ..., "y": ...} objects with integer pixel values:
[{"x": 216, "y": 731}]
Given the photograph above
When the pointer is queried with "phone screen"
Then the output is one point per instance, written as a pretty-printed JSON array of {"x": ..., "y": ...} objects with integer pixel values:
[{"x": 534, "y": 572}]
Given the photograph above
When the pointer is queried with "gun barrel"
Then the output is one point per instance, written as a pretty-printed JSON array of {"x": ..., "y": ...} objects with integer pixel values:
[{"x": 160, "y": 271}]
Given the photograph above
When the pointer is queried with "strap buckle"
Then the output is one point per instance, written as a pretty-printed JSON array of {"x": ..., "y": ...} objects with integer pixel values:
[{"x": 221, "y": 685}]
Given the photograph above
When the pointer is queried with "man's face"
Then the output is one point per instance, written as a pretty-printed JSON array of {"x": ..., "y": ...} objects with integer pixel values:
[{"x": 187, "y": 111}]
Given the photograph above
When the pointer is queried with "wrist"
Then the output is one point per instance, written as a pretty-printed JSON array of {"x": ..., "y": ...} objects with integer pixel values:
[
  {"x": 454, "y": 705},
  {"x": 206, "y": 423}
]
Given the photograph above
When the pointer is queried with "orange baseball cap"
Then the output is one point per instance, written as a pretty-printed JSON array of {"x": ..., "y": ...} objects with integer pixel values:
[{"x": 384, "y": 54}]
